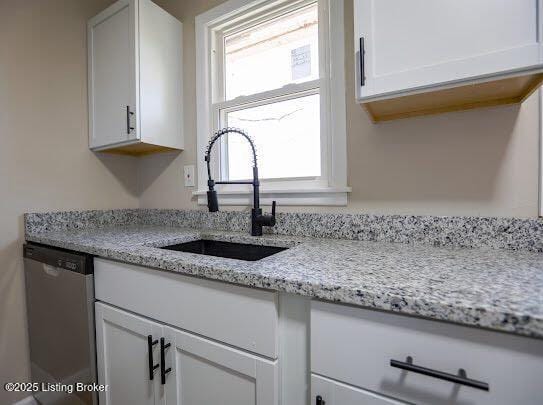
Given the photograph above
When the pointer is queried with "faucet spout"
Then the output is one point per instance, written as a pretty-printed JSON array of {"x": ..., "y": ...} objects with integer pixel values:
[{"x": 258, "y": 219}]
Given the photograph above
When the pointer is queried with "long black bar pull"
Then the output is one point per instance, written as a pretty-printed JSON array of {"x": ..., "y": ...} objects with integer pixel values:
[
  {"x": 152, "y": 366},
  {"x": 362, "y": 57},
  {"x": 163, "y": 369},
  {"x": 128, "y": 114},
  {"x": 457, "y": 379}
]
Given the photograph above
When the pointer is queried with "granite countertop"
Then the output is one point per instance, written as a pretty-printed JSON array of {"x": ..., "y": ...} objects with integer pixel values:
[{"x": 496, "y": 289}]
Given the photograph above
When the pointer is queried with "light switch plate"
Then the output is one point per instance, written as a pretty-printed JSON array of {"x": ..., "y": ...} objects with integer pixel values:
[{"x": 188, "y": 174}]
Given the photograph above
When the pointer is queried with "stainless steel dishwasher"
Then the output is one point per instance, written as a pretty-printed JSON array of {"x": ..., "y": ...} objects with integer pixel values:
[{"x": 60, "y": 313}]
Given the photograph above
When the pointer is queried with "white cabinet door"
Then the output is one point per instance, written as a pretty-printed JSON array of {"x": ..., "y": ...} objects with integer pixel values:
[
  {"x": 418, "y": 44},
  {"x": 206, "y": 372},
  {"x": 329, "y": 392},
  {"x": 112, "y": 74},
  {"x": 123, "y": 357}
]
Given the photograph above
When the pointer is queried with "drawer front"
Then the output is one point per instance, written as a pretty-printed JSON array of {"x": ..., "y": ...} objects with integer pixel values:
[
  {"x": 239, "y": 316},
  {"x": 356, "y": 346},
  {"x": 328, "y": 392}
]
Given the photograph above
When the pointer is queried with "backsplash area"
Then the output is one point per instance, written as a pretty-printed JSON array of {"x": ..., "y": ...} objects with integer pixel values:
[{"x": 467, "y": 232}]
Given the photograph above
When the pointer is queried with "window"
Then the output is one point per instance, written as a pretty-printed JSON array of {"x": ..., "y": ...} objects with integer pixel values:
[
  {"x": 272, "y": 54},
  {"x": 293, "y": 122},
  {"x": 269, "y": 67}
]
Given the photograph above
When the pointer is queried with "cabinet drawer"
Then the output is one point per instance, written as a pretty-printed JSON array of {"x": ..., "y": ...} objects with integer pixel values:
[
  {"x": 356, "y": 346},
  {"x": 328, "y": 392},
  {"x": 239, "y": 316}
]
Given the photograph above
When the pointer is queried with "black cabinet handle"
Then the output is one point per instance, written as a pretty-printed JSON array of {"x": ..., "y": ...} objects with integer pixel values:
[
  {"x": 152, "y": 366},
  {"x": 362, "y": 57},
  {"x": 128, "y": 114},
  {"x": 319, "y": 401},
  {"x": 163, "y": 369},
  {"x": 459, "y": 378}
]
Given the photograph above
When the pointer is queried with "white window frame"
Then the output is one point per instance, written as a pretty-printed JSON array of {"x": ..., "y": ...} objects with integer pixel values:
[
  {"x": 331, "y": 187},
  {"x": 540, "y": 179}
]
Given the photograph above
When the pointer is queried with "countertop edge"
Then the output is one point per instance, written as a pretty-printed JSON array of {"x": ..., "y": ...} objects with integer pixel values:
[{"x": 517, "y": 323}]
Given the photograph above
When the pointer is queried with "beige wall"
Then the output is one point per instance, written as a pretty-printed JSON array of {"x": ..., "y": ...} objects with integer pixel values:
[
  {"x": 44, "y": 160},
  {"x": 481, "y": 162}
]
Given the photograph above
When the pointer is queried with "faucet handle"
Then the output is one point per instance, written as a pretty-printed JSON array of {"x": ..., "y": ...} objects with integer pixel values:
[{"x": 259, "y": 220}]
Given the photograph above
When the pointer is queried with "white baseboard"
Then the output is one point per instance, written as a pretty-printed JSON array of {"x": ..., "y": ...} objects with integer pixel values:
[{"x": 27, "y": 401}]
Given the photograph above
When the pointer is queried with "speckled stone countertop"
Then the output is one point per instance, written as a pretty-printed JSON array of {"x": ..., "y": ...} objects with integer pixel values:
[{"x": 495, "y": 289}]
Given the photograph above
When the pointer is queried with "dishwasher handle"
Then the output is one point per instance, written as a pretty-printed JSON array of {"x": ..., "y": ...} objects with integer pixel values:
[{"x": 51, "y": 270}]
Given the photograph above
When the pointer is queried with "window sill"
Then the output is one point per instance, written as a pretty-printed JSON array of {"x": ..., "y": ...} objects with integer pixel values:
[{"x": 331, "y": 196}]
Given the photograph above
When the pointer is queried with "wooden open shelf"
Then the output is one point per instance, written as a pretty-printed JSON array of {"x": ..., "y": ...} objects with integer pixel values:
[
  {"x": 138, "y": 149},
  {"x": 512, "y": 90}
]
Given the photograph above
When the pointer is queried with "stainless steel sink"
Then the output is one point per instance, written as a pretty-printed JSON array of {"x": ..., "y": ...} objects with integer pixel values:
[{"x": 231, "y": 250}]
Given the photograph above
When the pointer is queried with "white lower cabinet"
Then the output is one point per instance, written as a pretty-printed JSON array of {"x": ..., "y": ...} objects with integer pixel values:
[
  {"x": 238, "y": 316},
  {"x": 145, "y": 362},
  {"x": 329, "y": 392},
  {"x": 206, "y": 372},
  {"x": 122, "y": 357},
  {"x": 421, "y": 361},
  {"x": 164, "y": 338}
]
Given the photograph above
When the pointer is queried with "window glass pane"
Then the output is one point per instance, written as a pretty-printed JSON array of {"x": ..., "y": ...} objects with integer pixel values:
[
  {"x": 287, "y": 139},
  {"x": 272, "y": 54}
]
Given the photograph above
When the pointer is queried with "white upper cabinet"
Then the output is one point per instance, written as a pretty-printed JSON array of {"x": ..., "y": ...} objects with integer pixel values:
[
  {"x": 135, "y": 79},
  {"x": 113, "y": 83},
  {"x": 419, "y": 46}
]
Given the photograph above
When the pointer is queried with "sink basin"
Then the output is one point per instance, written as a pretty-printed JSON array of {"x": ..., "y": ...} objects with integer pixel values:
[{"x": 231, "y": 250}]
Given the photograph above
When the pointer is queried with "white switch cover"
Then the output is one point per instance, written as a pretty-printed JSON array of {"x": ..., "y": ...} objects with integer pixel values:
[{"x": 188, "y": 174}]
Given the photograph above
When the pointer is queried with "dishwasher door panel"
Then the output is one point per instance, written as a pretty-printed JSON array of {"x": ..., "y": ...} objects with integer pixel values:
[{"x": 61, "y": 329}]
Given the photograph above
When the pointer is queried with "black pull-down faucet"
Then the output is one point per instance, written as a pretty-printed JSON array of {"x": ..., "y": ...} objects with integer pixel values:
[{"x": 258, "y": 219}]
